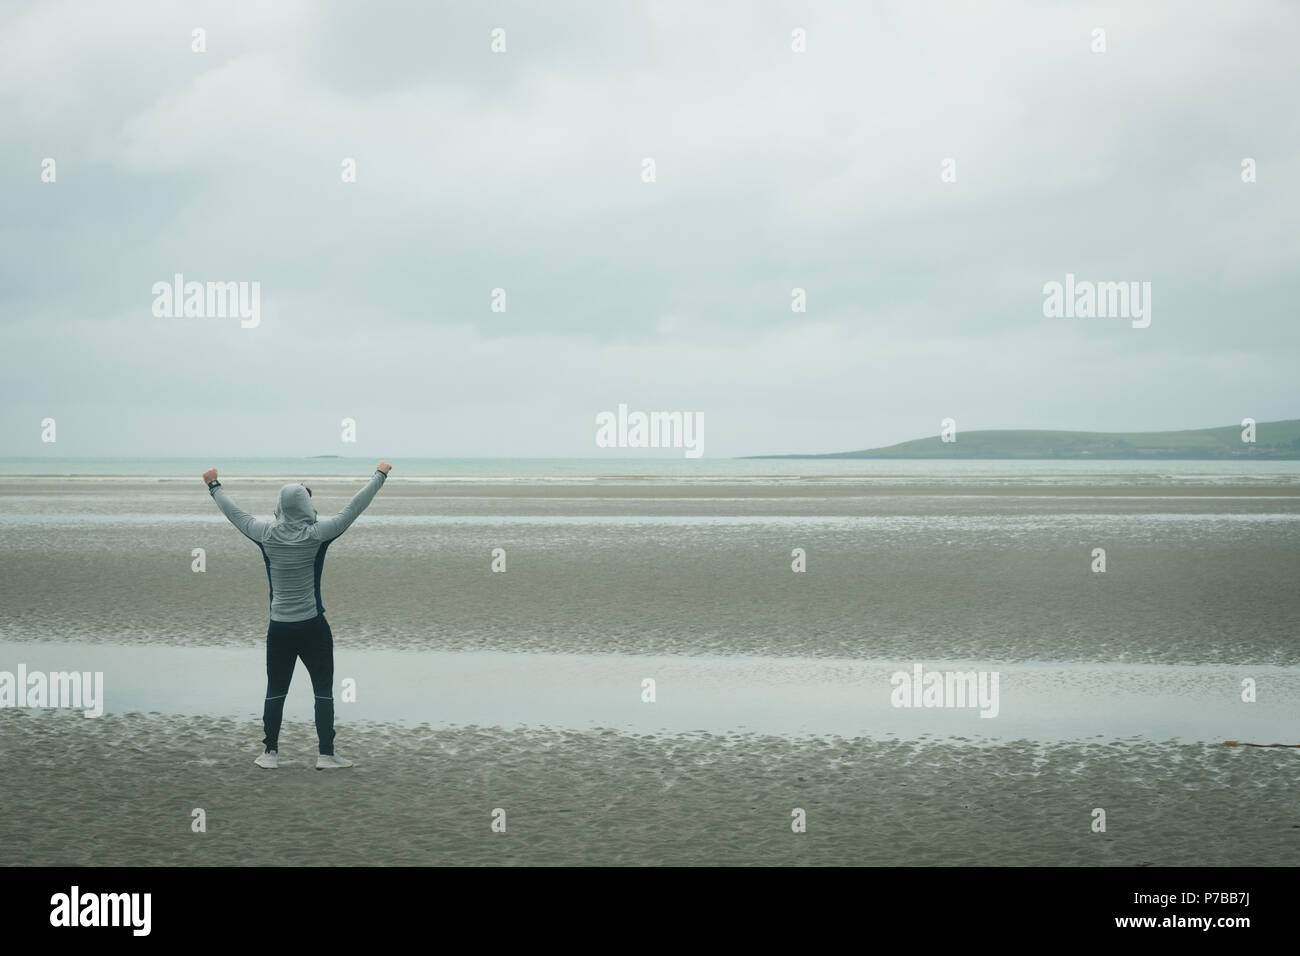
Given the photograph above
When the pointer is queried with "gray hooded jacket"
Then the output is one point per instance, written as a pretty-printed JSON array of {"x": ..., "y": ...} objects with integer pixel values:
[{"x": 293, "y": 545}]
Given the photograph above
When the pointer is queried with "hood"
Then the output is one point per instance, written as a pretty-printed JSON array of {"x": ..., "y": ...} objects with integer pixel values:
[
  {"x": 294, "y": 516},
  {"x": 295, "y": 506}
]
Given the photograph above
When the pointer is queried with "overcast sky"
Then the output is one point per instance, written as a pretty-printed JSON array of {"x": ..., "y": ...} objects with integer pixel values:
[{"x": 522, "y": 170}]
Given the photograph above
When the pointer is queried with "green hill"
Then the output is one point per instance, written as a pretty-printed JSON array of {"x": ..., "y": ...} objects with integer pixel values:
[{"x": 1273, "y": 441}]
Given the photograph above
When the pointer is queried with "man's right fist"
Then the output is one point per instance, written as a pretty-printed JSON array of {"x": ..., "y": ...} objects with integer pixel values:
[
  {"x": 383, "y": 466},
  {"x": 210, "y": 475}
]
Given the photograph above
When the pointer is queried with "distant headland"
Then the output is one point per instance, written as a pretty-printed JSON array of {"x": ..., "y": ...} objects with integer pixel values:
[{"x": 1276, "y": 441}]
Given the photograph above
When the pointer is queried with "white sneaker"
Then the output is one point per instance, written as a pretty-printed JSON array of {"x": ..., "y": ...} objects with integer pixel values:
[
  {"x": 331, "y": 761},
  {"x": 269, "y": 760}
]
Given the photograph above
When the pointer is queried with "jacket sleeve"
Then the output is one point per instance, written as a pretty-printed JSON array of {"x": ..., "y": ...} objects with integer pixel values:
[
  {"x": 329, "y": 528},
  {"x": 253, "y": 528}
]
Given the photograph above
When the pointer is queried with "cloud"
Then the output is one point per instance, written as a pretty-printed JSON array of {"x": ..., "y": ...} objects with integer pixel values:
[{"x": 521, "y": 171}]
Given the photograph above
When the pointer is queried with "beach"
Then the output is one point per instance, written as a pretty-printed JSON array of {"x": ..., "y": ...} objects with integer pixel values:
[
  {"x": 122, "y": 791},
  {"x": 682, "y": 567},
  {"x": 773, "y": 691}
]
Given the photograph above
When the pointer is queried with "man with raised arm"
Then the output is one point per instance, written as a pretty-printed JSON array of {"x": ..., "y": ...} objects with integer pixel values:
[{"x": 293, "y": 549}]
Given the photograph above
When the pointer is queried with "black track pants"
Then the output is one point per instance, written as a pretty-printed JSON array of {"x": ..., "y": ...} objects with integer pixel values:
[{"x": 285, "y": 643}]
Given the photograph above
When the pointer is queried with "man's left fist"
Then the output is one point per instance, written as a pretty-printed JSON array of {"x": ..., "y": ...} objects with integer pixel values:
[{"x": 210, "y": 476}]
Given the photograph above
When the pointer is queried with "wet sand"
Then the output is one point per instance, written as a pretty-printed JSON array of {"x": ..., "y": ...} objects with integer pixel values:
[
  {"x": 520, "y": 690},
  {"x": 121, "y": 790},
  {"x": 698, "y": 488},
  {"x": 1000, "y": 578}
]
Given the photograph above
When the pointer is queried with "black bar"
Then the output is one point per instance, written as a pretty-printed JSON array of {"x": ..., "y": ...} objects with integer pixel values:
[{"x": 978, "y": 904}]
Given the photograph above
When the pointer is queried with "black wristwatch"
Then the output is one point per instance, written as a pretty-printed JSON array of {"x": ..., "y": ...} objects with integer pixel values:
[{"x": 213, "y": 485}]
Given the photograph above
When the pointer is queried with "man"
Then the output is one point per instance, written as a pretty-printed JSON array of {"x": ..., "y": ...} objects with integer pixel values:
[{"x": 293, "y": 548}]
